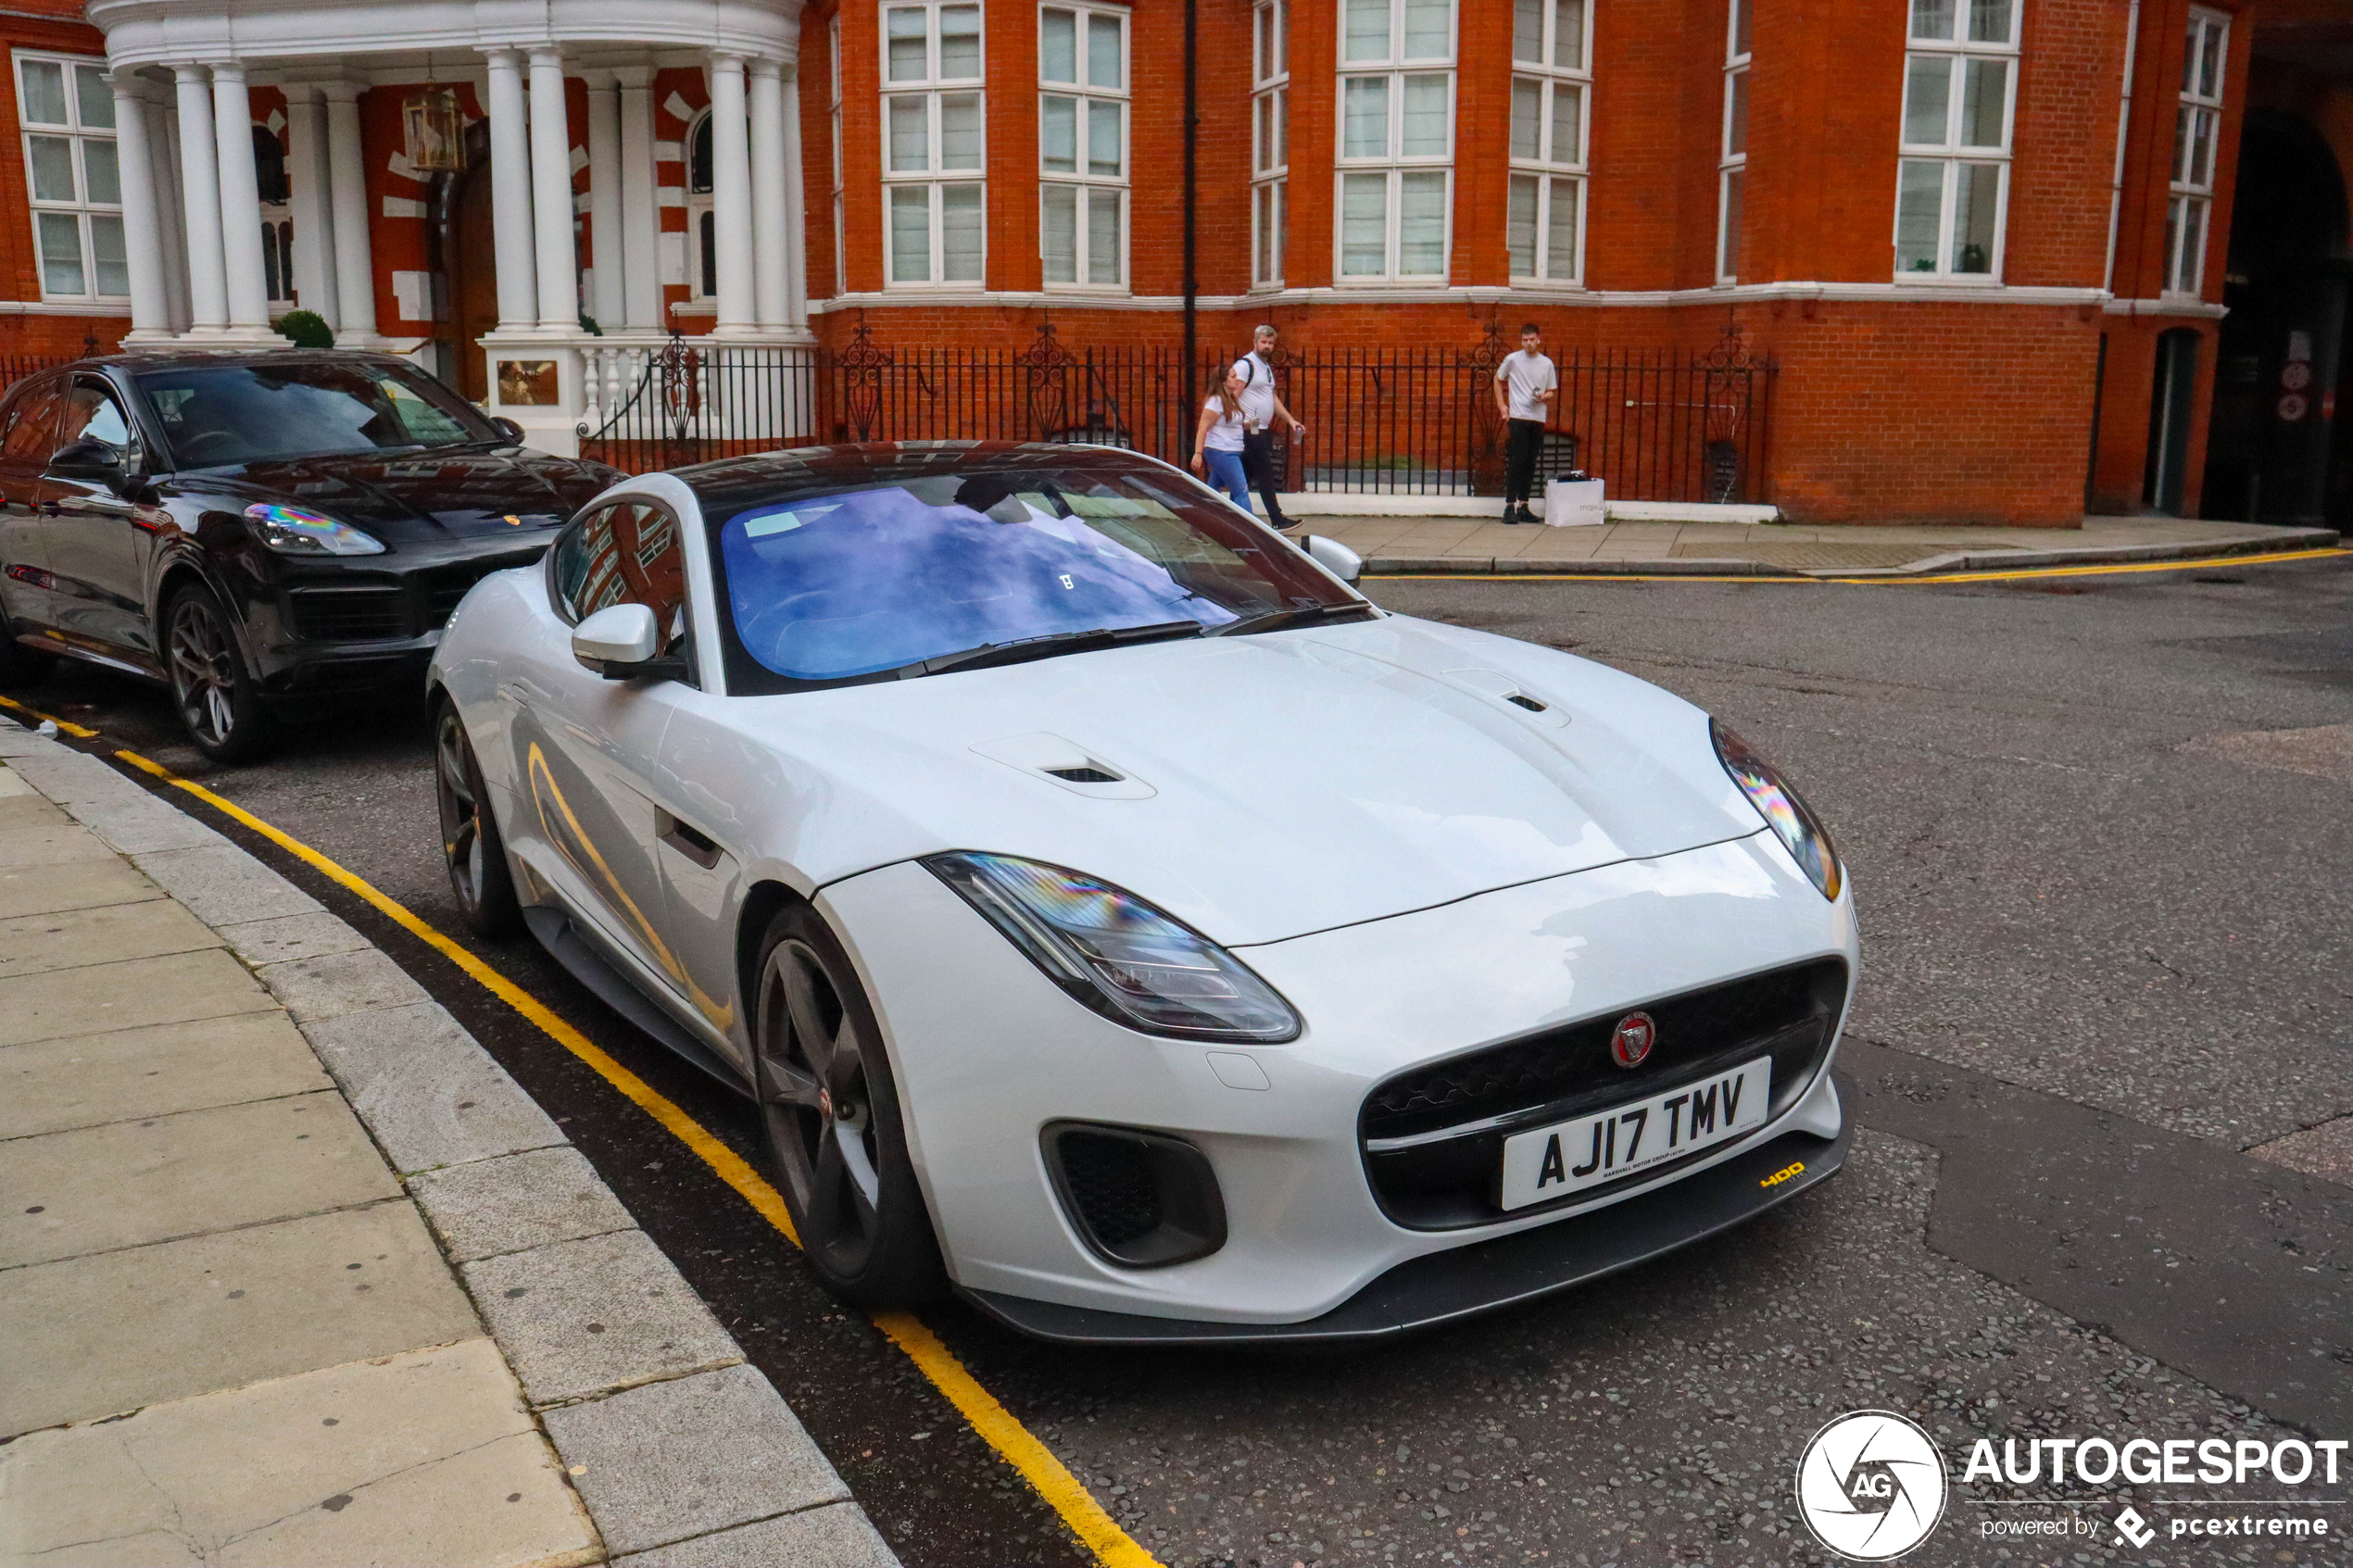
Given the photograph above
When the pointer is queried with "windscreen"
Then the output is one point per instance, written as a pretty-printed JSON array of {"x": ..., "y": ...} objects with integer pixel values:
[
  {"x": 854, "y": 583},
  {"x": 214, "y": 415}
]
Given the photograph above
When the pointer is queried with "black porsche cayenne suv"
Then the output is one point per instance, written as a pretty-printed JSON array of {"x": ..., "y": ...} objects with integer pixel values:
[{"x": 256, "y": 530}]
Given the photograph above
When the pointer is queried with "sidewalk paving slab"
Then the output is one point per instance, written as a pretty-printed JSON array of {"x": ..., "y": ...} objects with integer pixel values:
[
  {"x": 131, "y": 1183},
  {"x": 427, "y": 1457},
  {"x": 88, "y": 1080},
  {"x": 94, "y": 1336},
  {"x": 642, "y": 1458},
  {"x": 184, "y": 1114},
  {"x": 77, "y": 939}
]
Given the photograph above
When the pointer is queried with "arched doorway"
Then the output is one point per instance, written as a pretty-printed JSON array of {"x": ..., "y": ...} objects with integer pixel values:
[
  {"x": 469, "y": 257},
  {"x": 2275, "y": 451}
]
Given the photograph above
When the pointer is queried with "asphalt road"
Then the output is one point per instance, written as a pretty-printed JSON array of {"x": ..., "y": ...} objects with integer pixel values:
[{"x": 2105, "y": 945}]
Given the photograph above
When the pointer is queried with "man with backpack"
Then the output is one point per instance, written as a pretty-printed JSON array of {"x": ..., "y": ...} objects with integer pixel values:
[{"x": 1260, "y": 408}]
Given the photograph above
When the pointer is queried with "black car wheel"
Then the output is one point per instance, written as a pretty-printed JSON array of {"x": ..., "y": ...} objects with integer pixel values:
[
  {"x": 210, "y": 685},
  {"x": 471, "y": 845},
  {"x": 831, "y": 1110}
]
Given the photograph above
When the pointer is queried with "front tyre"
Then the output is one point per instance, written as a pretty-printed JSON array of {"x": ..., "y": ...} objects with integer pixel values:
[
  {"x": 217, "y": 699},
  {"x": 471, "y": 848},
  {"x": 829, "y": 1105}
]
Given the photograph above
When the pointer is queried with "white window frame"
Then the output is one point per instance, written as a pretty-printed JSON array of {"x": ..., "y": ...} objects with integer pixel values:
[
  {"x": 2123, "y": 129},
  {"x": 1956, "y": 50},
  {"x": 86, "y": 216},
  {"x": 1269, "y": 140},
  {"x": 1731, "y": 162},
  {"x": 841, "y": 243},
  {"x": 1543, "y": 176},
  {"x": 932, "y": 89},
  {"x": 2198, "y": 125},
  {"x": 1086, "y": 186},
  {"x": 699, "y": 205},
  {"x": 1395, "y": 164}
]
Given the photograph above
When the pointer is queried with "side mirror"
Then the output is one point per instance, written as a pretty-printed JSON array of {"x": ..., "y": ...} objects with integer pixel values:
[
  {"x": 1335, "y": 558},
  {"x": 87, "y": 460},
  {"x": 617, "y": 641},
  {"x": 508, "y": 429}
]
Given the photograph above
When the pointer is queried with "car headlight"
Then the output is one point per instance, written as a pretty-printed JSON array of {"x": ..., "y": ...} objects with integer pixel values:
[
  {"x": 290, "y": 531},
  {"x": 1117, "y": 954},
  {"x": 1792, "y": 821}
]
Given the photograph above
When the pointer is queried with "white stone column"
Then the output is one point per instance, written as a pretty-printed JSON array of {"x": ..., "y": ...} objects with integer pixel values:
[
  {"x": 200, "y": 184},
  {"x": 769, "y": 244},
  {"x": 731, "y": 195},
  {"x": 511, "y": 219},
  {"x": 171, "y": 208},
  {"x": 142, "y": 225},
  {"x": 796, "y": 211},
  {"x": 310, "y": 206},
  {"x": 551, "y": 195},
  {"x": 608, "y": 303},
  {"x": 640, "y": 211},
  {"x": 240, "y": 200},
  {"x": 347, "y": 193}
]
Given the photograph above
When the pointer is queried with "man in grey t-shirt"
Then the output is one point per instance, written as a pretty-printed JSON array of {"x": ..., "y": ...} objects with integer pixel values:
[{"x": 1525, "y": 385}]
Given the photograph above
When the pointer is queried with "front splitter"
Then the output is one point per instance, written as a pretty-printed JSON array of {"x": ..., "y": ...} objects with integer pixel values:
[{"x": 1485, "y": 1276}]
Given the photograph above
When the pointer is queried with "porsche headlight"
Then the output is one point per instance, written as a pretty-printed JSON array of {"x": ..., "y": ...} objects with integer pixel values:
[
  {"x": 1117, "y": 954},
  {"x": 1792, "y": 821},
  {"x": 290, "y": 531}
]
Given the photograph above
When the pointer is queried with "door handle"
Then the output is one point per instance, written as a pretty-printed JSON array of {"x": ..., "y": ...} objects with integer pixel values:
[{"x": 101, "y": 505}]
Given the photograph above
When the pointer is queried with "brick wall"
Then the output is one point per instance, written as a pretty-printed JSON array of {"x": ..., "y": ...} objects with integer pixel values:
[{"x": 51, "y": 27}]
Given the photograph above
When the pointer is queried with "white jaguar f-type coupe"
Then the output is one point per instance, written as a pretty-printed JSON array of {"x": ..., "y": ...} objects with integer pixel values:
[{"x": 1116, "y": 918}]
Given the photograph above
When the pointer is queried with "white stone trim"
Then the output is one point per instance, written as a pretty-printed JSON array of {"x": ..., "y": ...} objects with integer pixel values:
[
  {"x": 2169, "y": 304},
  {"x": 166, "y": 32},
  {"x": 1867, "y": 294}
]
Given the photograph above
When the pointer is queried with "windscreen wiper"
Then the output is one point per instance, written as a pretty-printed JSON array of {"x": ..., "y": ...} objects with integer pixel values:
[
  {"x": 1023, "y": 648},
  {"x": 1298, "y": 614}
]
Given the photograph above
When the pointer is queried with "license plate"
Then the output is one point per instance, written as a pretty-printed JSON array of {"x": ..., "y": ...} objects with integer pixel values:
[{"x": 1569, "y": 1155}]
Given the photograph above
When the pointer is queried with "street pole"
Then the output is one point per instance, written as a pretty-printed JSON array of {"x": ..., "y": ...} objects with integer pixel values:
[{"x": 1192, "y": 136}]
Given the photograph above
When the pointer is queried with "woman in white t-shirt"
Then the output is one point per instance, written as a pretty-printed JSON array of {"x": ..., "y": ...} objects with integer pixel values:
[{"x": 1217, "y": 443}]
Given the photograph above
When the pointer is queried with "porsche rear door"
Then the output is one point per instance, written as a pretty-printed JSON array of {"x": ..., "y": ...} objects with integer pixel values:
[
  {"x": 97, "y": 543},
  {"x": 31, "y": 419}
]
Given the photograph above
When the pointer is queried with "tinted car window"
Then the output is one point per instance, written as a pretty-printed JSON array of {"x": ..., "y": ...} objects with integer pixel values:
[
  {"x": 622, "y": 555},
  {"x": 90, "y": 414},
  {"x": 851, "y": 582},
  {"x": 214, "y": 415},
  {"x": 34, "y": 420}
]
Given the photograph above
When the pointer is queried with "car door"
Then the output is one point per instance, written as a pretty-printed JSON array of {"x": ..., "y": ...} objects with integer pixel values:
[
  {"x": 584, "y": 747},
  {"x": 28, "y": 420},
  {"x": 96, "y": 545}
]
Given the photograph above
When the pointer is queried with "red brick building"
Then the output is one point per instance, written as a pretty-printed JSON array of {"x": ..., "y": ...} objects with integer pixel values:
[{"x": 1987, "y": 243}]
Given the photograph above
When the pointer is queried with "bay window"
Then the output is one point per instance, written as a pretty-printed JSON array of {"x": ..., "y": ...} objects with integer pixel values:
[
  {"x": 1396, "y": 138},
  {"x": 66, "y": 110},
  {"x": 933, "y": 144},
  {"x": 1082, "y": 145},
  {"x": 1270, "y": 140},
  {"x": 1960, "y": 89},
  {"x": 1552, "y": 82},
  {"x": 2197, "y": 127}
]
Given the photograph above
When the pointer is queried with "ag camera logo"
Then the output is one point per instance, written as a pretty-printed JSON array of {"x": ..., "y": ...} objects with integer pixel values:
[{"x": 1871, "y": 1486}]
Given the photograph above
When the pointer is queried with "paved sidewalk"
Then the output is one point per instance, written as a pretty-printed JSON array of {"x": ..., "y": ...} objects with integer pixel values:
[
  {"x": 1418, "y": 544},
  {"x": 292, "y": 1272}
]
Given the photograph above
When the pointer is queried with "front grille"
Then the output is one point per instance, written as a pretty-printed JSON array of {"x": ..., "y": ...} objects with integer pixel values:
[
  {"x": 349, "y": 615},
  {"x": 447, "y": 585},
  {"x": 1443, "y": 1182}
]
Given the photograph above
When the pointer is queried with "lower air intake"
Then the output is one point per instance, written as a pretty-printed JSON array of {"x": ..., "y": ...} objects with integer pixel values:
[{"x": 1140, "y": 1199}]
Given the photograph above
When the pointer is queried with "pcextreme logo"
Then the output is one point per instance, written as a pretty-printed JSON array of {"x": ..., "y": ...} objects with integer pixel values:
[{"x": 1871, "y": 1486}]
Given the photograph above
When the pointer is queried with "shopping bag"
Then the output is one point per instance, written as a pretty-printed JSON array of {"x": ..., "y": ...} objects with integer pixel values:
[{"x": 1572, "y": 503}]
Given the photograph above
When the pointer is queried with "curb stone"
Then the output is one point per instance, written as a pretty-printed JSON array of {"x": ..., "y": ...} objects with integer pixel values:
[{"x": 637, "y": 1414}]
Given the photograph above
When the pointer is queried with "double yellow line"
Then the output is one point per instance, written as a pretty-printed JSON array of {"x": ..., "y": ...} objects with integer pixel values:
[{"x": 1013, "y": 1442}]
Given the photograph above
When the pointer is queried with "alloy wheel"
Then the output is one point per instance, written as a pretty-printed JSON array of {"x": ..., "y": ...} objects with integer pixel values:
[
  {"x": 204, "y": 671},
  {"x": 462, "y": 848},
  {"x": 814, "y": 1096}
]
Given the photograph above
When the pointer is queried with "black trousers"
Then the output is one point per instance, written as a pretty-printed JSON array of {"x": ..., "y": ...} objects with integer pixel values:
[
  {"x": 1520, "y": 447},
  {"x": 1258, "y": 467}
]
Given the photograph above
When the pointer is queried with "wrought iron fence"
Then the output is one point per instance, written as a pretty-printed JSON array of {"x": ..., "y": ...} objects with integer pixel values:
[
  {"x": 1656, "y": 424},
  {"x": 14, "y": 367}
]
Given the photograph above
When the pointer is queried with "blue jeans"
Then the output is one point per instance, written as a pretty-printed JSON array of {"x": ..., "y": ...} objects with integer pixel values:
[{"x": 1226, "y": 474}]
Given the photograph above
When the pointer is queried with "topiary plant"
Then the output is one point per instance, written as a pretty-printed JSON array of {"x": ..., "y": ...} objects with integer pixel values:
[{"x": 306, "y": 328}]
